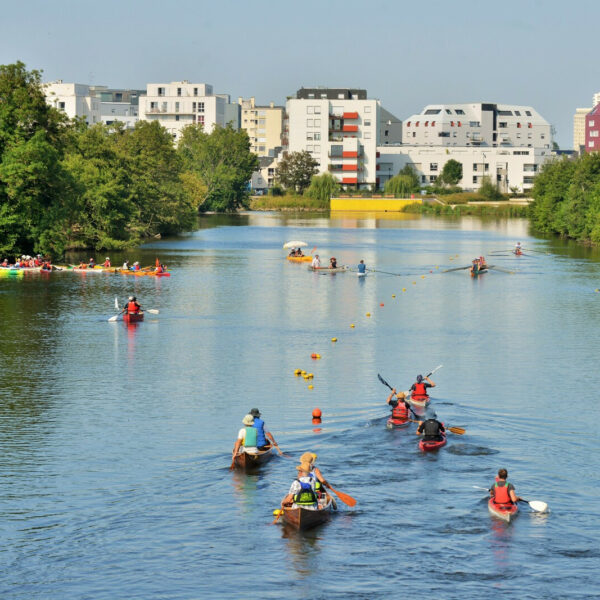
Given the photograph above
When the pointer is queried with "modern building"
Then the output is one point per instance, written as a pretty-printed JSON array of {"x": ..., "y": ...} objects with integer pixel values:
[
  {"x": 579, "y": 128},
  {"x": 264, "y": 125},
  {"x": 507, "y": 167},
  {"x": 264, "y": 178},
  {"x": 118, "y": 104},
  {"x": 179, "y": 103},
  {"x": 592, "y": 130},
  {"x": 341, "y": 129},
  {"x": 75, "y": 99},
  {"x": 478, "y": 124}
]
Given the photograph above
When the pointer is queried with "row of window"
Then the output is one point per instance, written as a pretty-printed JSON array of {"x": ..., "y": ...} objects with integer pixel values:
[
  {"x": 437, "y": 111},
  {"x": 163, "y": 91},
  {"x": 336, "y": 110},
  {"x": 504, "y": 124},
  {"x": 196, "y": 106}
]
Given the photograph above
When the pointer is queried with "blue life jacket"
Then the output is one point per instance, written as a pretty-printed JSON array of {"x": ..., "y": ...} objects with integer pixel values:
[{"x": 259, "y": 425}]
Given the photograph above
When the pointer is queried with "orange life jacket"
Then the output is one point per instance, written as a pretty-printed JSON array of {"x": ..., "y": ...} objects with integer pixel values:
[
  {"x": 133, "y": 307},
  {"x": 501, "y": 494},
  {"x": 420, "y": 391},
  {"x": 159, "y": 269},
  {"x": 400, "y": 411}
]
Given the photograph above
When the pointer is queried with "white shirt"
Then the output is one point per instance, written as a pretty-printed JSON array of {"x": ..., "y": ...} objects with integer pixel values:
[{"x": 315, "y": 262}]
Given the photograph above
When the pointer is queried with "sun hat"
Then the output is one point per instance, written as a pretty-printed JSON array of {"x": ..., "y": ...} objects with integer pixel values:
[
  {"x": 308, "y": 457},
  {"x": 248, "y": 420},
  {"x": 255, "y": 412},
  {"x": 303, "y": 467}
]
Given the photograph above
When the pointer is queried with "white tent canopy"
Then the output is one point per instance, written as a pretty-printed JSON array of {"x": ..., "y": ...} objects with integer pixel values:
[{"x": 295, "y": 244}]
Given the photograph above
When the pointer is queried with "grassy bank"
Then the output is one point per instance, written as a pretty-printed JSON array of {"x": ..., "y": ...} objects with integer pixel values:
[
  {"x": 483, "y": 210},
  {"x": 287, "y": 202}
]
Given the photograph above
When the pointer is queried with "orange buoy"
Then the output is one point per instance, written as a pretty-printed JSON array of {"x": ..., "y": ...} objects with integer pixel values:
[
  {"x": 313, "y": 355},
  {"x": 381, "y": 304},
  {"x": 316, "y": 413}
]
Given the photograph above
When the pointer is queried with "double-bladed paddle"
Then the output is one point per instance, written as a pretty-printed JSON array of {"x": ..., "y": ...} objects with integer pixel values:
[
  {"x": 535, "y": 505},
  {"x": 391, "y": 388}
]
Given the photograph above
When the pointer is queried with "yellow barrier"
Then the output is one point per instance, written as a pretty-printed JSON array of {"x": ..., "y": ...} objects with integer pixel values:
[{"x": 372, "y": 204}]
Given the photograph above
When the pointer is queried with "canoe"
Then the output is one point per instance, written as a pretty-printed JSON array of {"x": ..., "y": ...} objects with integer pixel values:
[
  {"x": 304, "y": 518},
  {"x": 252, "y": 460},
  {"x": 133, "y": 317},
  {"x": 328, "y": 269},
  {"x": 433, "y": 445},
  {"x": 300, "y": 258},
  {"x": 506, "y": 512},
  {"x": 397, "y": 423}
]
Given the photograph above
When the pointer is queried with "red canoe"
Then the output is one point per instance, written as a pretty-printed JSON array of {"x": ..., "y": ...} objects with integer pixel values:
[
  {"x": 133, "y": 317},
  {"x": 426, "y": 446}
]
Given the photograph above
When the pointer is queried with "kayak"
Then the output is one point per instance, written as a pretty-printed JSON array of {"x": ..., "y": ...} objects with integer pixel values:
[
  {"x": 397, "y": 423},
  {"x": 300, "y": 258},
  {"x": 420, "y": 402},
  {"x": 433, "y": 445},
  {"x": 506, "y": 512},
  {"x": 361, "y": 274},
  {"x": 328, "y": 269},
  {"x": 252, "y": 460},
  {"x": 305, "y": 518},
  {"x": 133, "y": 317}
]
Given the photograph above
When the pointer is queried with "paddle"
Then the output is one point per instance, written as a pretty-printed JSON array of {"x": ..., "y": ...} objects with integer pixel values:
[
  {"x": 391, "y": 388},
  {"x": 116, "y": 303},
  {"x": 113, "y": 319},
  {"x": 501, "y": 269},
  {"x": 456, "y": 430},
  {"x": 456, "y": 269},
  {"x": 152, "y": 311},
  {"x": 387, "y": 272},
  {"x": 434, "y": 370},
  {"x": 535, "y": 505},
  {"x": 345, "y": 498},
  {"x": 232, "y": 463},
  {"x": 279, "y": 513}
]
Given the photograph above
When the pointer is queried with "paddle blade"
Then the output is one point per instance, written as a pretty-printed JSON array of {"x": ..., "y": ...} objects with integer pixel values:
[
  {"x": 384, "y": 381},
  {"x": 538, "y": 506},
  {"x": 113, "y": 319},
  {"x": 116, "y": 303},
  {"x": 457, "y": 430},
  {"x": 345, "y": 498},
  {"x": 152, "y": 311}
]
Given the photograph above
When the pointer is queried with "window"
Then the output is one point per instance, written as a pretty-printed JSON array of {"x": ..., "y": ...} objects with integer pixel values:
[
  {"x": 448, "y": 111},
  {"x": 591, "y": 123},
  {"x": 368, "y": 123},
  {"x": 201, "y": 119},
  {"x": 309, "y": 136},
  {"x": 474, "y": 178},
  {"x": 433, "y": 111},
  {"x": 433, "y": 123},
  {"x": 161, "y": 91},
  {"x": 270, "y": 171},
  {"x": 520, "y": 152},
  {"x": 309, "y": 147},
  {"x": 543, "y": 136},
  {"x": 195, "y": 91},
  {"x": 340, "y": 96},
  {"x": 310, "y": 122},
  {"x": 153, "y": 105},
  {"x": 179, "y": 91},
  {"x": 61, "y": 105},
  {"x": 408, "y": 124},
  {"x": 459, "y": 124},
  {"x": 176, "y": 107},
  {"x": 311, "y": 96},
  {"x": 590, "y": 144},
  {"x": 505, "y": 113},
  {"x": 386, "y": 133},
  {"x": 445, "y": 134},
  {"x": 454, "y": 134},
  {"x": 163, "y": 107},
  {"x": 528, "y": 113},
  {"x": 517, "y": 113},
  {"x": 367, "y": 135},
  {"x": 529, "y": 136},
  {"x": 529, "y": 126},
  {"x": 310, "y": 110},
  {"x": 317, "y": 122},
  {"x": 367, "y": 109},
  {"x": 417, "y": 124},
  {"x": 324, "y": 96},
  {"x": 518, "y": 136},
  {"x": 502, "y": 125},
  {"x": 414, "y": 134},
  {"x": 201, "y": 107},
  {"x": 594, "y": 133},
  {"x": 432, "y": 178},
  {"x": 423, "y": 179},
  {"x": 459, "y": 111},
  {"x": 317, "y": 110},
  {"x": 474, "y": 124},
  {"x": 177, "y": 117},
  {"x": 426, "y": 123},
  {"x": 317, "y": 135},
  {"x": 433, "y": 166}
]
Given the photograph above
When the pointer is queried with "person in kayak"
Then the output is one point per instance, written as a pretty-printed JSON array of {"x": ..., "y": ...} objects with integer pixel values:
[
  {"x": 503, "y": 492},
  {"x": 309, "y": 458},
  {"x": 159, "y": 269},
  {"x": 132, "y": 306},
  {"x": 316, "y": 262},
  {"x": 261, "y": 433},
  {"x": 333, "y": 262},
  {"x": 362, "y": 268},
  {"x": 247, "y": 436},
  {"x": 419, "y": 389},
  {"x": 518, "y": 248},
  {"x": 400, "y": 406},
  {"x": 106, "y": 262},
  {"x": 91, "y": 264},
  {"x": 432, "y": 430},
  {"x": 302, "y": 491}
]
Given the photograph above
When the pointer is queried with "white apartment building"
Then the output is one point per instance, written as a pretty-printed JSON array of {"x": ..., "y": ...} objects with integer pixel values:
[
  {"x": 508, "y": 167},
  {"x": 579, "y": 128},
  {"x": 74, "y": 99},
  {"x": 264, "y": 125},
  {"x": 340, "y": 128},
  {"x": 180, "y": 103},
  {"x": 478, "y": 124}
]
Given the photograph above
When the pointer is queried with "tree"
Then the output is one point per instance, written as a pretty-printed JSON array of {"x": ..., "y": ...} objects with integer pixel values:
[
  {"x": 401, "y": 185},
  {"x": 409, "y": 171},
  {"x": 489, "y": 191},
  {"x": 323, "y": 187},
  {"x": 296, "y": 169},
  {"x": 222, "y": 161},
  {"x": 451, "y": 173}
]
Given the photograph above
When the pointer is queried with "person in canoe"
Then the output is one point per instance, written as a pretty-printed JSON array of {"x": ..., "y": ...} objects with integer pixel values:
[
  {"x": 503, "y": 492},
  {"x": 46, "y": 266},
  {"x": 261, "y": 433},
  {"x": 309, "y": 458},
  {"x": 316, "y": 262},
  {"x": 400, "y": 406},
  {"x": 106, "y": 263},
  {"x": 432, "y": 430},
  {"x": 132, "y": 306},
  {"x": 419, "y": 388},
  {"x": 362, "y": 268},
  {"x": 247, "y": 436},
  {"x": 333, "y": 262},
  {"x": 302, "y": 491},
  {"x": 91, "y": 264},
  {"x": 482, "y": 263}
]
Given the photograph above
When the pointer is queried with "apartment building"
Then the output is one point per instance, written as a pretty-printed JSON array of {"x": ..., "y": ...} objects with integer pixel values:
[
  {"x": 264, "y": 125},
  {"x": 341, "y": 130},
  {"x": 478, "y": 124},
  {"x": 579, "y": 128},
  {"x": 74, "y": 99},
  {"x": 180, "y": 103},
  {"x": 118, "y": 104},
  {"x": 592, "y": 130}
]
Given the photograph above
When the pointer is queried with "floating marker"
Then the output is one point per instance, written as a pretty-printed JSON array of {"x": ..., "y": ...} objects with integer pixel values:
[
  {"x": 381, "y": 304},
  {"x": 316, "y": 413},
  {"x": 368, "y": 314},
  {"x": 393, "y": 295},
  {"x": 311, "y": 386},
  {"x": 352, "y": 325},
  {"x": 297, "y": 372},
  {"x": 403, "y": 289},
  {"x": 423, "y": 276},
  {"x": 334, "y": 339}
]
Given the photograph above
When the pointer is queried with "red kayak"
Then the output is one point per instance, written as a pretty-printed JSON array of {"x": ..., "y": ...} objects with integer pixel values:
[
  {"x": 427, "y": 446},
  {"x": 133, "y": 317},
  {"x": 506, "y": 512},
  {"x": 397, "y": 423}
]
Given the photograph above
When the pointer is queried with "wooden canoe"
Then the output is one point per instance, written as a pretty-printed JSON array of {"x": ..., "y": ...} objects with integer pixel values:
[
  {"x": 304, "y": 518},
  {"x": 133, "y": 317},
  {"x": 328, "y": 269},
  {"x": 252, "y": 460}
]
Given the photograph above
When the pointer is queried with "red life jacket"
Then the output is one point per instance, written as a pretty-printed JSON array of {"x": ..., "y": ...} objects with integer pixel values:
[
  {"x": 420, "y": 391},
  {"x": 501, "y": 495},
  {"x": 159, "y": 269},
  {"x": 133, "y": 307},
  {"x": 400, "y": 411}
]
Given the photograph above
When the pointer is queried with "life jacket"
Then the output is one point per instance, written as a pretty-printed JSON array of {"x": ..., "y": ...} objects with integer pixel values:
[
  {"x": 306, "y": 495},
  {"x": 419, "y": 391},
  {"x": 501, "y": 494},
  {"x": 159, "y": 269},
  {"x": 431, "y": 428},
  {"x": 400, "y": 411},
  {"x": 106, "y": 263},
  {"x": 133, "y": 307},
  {"x": 250, "y": 437},
  {"x": 261, "y": 439}
]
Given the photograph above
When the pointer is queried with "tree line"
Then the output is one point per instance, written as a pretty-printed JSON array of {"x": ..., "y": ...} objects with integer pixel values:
[{"x": 65, "y": 185}]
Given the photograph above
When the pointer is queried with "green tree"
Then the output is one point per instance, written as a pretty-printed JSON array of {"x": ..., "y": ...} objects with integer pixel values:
[
  {"x": 323, "y": 187},
  {"x": 400, "y": 185},
  {"x": 222, "y": 160},
  {"x": 409, "y": 171},
  {"x": 296, "y": 169},
  {"x": 451, "y": 173},
  {"x": 489, "y": 191}
]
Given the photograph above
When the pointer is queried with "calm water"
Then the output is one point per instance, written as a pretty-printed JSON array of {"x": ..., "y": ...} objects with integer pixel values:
[{"x": 115, "y": 442}]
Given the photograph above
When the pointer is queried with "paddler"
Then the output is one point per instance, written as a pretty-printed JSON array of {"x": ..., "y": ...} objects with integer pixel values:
[
  {"x": 503, "y": 492},
  {"x": 132, "y": 307},
  {"x": 46, "y": 266},
  {"x": 333, "y": 262},
  {"x": 246, "y": 439},
  {"x": 261, "y": 434},
  {"x": 136, "y": 266},
  {"x": 419, "y": 389},
  {"x": 432, "y": 430},
  {"x": 309, "y": 458},
  {"x": 159, "y": 269},
  {"x": 125, "y": 266},
  {"x": 302, "y": 491},
  {"x": 316, "y": 262},
  {"x": 106, "y": 262},
  {"x": 400, "y": 406},
  {"x": 362, "y": 268},
  {"x": 482, "y": 263},
  {"x": 91, "y": 264}
]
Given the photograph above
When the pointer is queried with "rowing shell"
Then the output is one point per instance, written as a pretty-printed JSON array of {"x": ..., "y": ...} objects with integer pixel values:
[{"x": 328, "y": 269}]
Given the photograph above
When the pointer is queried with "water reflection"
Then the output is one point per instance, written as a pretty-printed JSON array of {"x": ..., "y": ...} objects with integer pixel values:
[{"x": 303, "y": 549}]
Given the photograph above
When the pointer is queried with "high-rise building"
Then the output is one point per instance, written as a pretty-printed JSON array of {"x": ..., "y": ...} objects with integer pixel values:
[
  {"x": 340, "y": 128},
  {"x": 579, "y": 128},
  {"x": 592, "y": 130},
  {"x": 75, "y": 99},
  {"x": 264, "y": 125}
]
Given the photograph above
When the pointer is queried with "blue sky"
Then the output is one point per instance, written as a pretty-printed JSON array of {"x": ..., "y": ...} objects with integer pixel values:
[{"x": 407, "y": 54}]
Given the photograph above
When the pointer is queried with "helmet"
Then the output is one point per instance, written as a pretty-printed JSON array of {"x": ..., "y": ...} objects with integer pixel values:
[{"x": 131, "y": 298}]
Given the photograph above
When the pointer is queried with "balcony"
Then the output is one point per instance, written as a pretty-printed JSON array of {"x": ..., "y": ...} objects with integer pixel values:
[
  {"x": 350, "y": 115},
  {"x": 347, "y": 154},
  {"x": 349, "y": 179},
  {"x": 350, "y": 128},
  {"x": 340, "y": 168}
]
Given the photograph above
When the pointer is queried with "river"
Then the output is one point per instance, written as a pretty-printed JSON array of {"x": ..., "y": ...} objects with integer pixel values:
[{"x": 115, "y": 440}]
